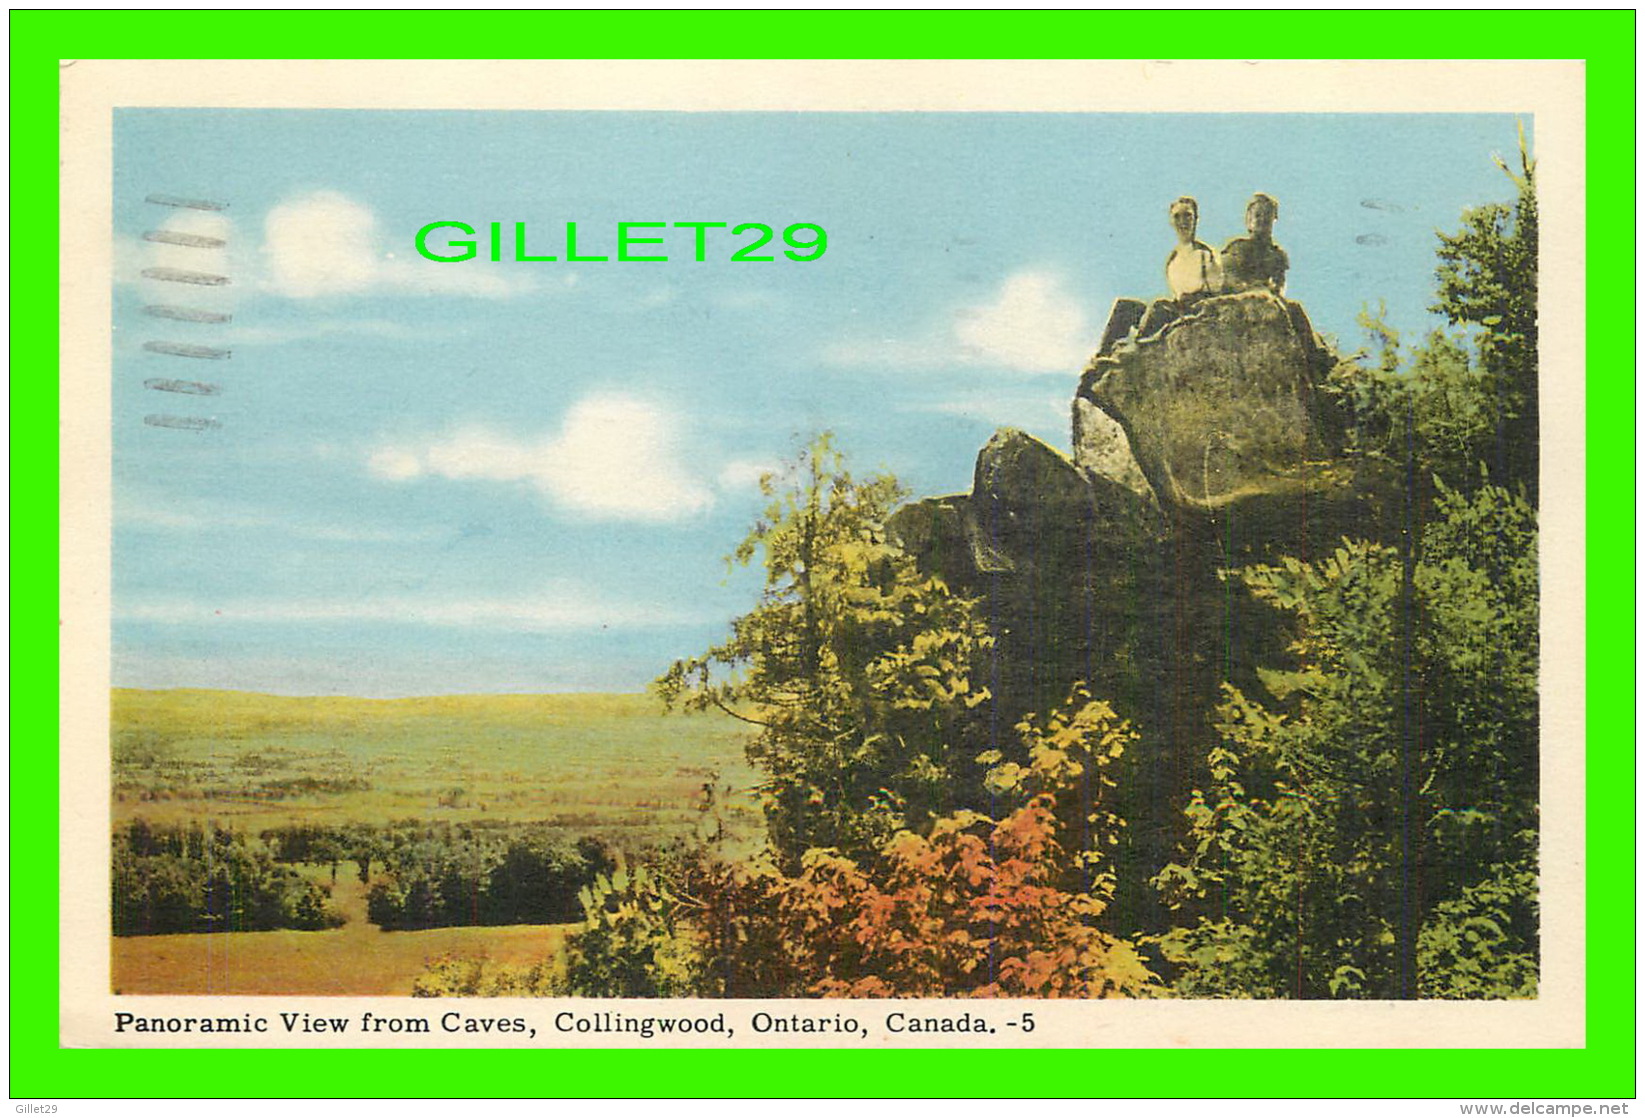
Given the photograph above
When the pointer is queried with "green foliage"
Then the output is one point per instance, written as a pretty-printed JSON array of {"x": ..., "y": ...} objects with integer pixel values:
[
  {"x": 1478, "y": 642},
  {"x": 467, "y": 976},
  {"x": 637, "y": 940},
  {"x": 1459, "y": 407},
  {"x": 1474, "y": 946},
  {"x": 445, "y": 876},
  {"x": 319, "y": 844},
  {"x": 1488, "y": 281},
  {"x": 452, "y": 976},
  {"x": 205, "y": 879},
  {"x": 856, "y": 668},
  {"x": 1436, "y": 408},
  {"x": 1372, "y": 397},
  {"x": 1396, "y": 775},
  {"x": 634, "y": 942},
  {"x": 537, "y": 879}
]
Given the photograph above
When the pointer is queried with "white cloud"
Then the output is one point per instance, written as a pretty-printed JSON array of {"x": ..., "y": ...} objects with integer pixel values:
[
  {"x": 745, "y": 473},
  {"x": 394, "y": 464},
  {"x": 560, "y": 606},
  {"x": 615, "y": 457},
  {"x": 321, "y": 244},
  {"x": 327, "y": 244},
  {"x": 1034, "y": 324}
]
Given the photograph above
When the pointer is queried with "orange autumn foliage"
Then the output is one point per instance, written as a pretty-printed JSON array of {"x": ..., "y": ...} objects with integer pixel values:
[{"x": 974, "y": 909}]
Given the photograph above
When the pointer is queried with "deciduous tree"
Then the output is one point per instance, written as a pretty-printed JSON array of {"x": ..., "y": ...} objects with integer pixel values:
[{"x": 856, "y": 668}]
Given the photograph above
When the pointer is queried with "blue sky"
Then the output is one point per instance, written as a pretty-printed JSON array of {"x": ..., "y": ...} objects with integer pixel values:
[{"x": 438, "y": 478}]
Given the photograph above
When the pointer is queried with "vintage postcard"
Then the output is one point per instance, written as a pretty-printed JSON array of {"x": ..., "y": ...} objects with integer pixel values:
[{"x": 822, "y": 554}]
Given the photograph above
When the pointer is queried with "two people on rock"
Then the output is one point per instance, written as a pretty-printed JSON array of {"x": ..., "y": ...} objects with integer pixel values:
[{"x": 1195, "y": 270}]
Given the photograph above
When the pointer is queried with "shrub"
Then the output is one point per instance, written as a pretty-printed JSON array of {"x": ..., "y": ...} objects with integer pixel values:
[
  {"x": 634, "y": 942},
  {"x": 458, "y": 976}
]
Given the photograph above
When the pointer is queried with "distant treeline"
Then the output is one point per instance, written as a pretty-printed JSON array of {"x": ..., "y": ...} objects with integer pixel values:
[
  {"x": 442, "y": 876},
  {"x": 427, "y": 875},
  {"x": 206, "y": 879}
]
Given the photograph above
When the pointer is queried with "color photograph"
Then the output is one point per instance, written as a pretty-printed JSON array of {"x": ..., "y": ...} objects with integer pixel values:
[{"x": 825, "y": 555}]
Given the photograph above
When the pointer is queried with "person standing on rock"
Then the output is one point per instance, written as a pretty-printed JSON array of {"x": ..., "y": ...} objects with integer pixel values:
[{"x": 1255, "y": 262}]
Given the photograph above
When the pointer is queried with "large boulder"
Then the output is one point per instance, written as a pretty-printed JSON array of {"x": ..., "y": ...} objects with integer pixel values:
[
  {"x": 1065, "y": 563},
  {"x": 1029, "y": 503},
  {"x": 1031, "y": 510},
  {"x": 1217, "y": 406},
  {"x": 1102, "y": 448}
]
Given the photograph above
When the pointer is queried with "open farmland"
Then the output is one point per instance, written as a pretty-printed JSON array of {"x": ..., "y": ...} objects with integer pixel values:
[{"x": 616, "y": 766}]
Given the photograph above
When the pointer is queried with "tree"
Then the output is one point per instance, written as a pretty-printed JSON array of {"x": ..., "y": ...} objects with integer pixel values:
[
  {"x": 208, "y": 880},
  {"x": 855, "y": 667},
  {"x": 1488, "y": 280},
  {"x": 1325, "y": 859},
  {"x": 1435, "y": 410}
]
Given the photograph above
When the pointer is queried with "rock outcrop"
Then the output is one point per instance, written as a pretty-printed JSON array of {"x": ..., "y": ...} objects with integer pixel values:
[
  {"x": 1052, "y": 551},
  {"x": 1216, "y": 407},
  {"x": 1201, "y": 449}
]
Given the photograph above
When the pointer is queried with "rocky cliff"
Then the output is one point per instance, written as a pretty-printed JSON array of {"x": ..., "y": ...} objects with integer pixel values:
[{"x": 1200, "y": 449}]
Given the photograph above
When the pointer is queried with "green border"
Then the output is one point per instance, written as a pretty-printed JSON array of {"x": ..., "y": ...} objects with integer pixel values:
[{"x": 1604, "y": 1069}]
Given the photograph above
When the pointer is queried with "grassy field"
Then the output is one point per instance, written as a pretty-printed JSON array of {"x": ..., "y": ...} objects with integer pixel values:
[
  {"x": 613, "y": 766},
  {"x": 356, "y": 960}
]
